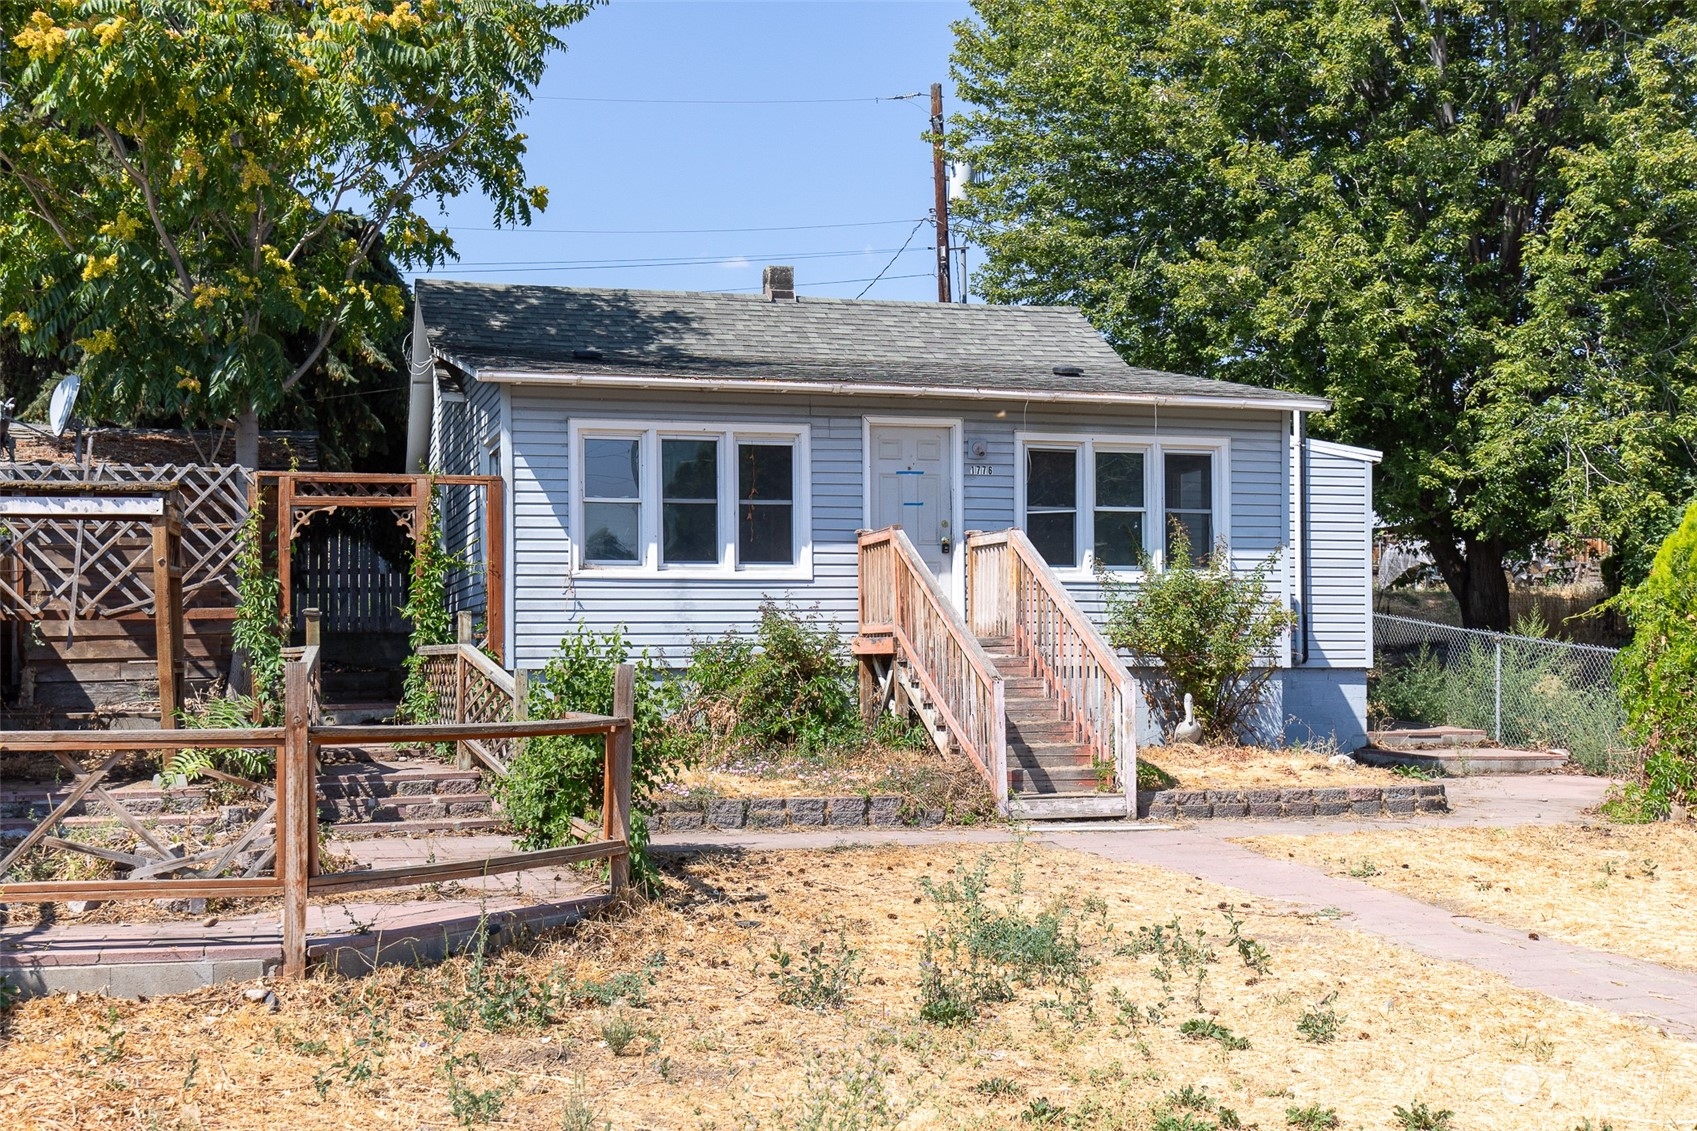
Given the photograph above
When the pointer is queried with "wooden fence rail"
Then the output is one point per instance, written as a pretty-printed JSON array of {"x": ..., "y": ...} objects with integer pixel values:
[{"x": 284, "y": 837}]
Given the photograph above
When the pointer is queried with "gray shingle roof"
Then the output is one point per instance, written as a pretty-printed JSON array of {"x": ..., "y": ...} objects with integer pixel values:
[{"x": 516, "y": 329}]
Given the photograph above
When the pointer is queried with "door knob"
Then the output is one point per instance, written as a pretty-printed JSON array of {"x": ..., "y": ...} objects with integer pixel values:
[{"x": 948, "y": 545}]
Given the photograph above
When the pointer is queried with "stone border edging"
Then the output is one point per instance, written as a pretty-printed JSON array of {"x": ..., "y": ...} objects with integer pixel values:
[
  {"x": 1351, "y": 801},
  {"x": 780, "y": 812},
  {"x": 1168, "y": 804}
]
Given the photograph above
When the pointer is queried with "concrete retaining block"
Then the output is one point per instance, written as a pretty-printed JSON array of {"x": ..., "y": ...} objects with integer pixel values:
[
  {"x": 1360, "y": 801},
  {"x": 726, "y": 812},
  {"x": 766, "y": 813}
]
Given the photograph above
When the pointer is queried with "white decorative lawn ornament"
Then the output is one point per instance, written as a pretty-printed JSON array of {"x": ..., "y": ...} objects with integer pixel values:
[{"x": 1189, "y": 730}]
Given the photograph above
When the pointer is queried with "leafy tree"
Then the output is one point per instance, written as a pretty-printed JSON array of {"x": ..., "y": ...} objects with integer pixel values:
[
  {"x": 1468, "y": 222},
  {"x": 1658, "y": 673},
  {"x": 192, "y": 195}
]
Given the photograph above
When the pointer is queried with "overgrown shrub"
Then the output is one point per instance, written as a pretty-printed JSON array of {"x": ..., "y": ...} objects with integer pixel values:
[
  {"x": 1209, "y": 630},
  {"x": 1658, "y": 672},
  {"x": 792, "y": 682},
  {"x": 556, "y": 779}
]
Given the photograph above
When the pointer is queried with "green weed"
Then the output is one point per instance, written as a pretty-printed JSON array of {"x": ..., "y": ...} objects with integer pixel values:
[
  {"x": 1321, "y": 1024},
  {"x": 1422, "y": 1118},
  {"x": 1205, "y": 1029},
  {"x": 821, "y": 980},
  {"x": 1312, "y": 1118}
]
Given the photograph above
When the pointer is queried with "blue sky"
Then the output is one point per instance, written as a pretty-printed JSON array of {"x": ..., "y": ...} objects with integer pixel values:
[{"x": 640, "y": 181}]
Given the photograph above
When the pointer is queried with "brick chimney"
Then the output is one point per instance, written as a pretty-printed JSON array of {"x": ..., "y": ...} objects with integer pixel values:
[{"x": 778, "y": 283}]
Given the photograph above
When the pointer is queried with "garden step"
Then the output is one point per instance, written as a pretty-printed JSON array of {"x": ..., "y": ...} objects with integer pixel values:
[
  {"x": 15, "y": 828},
  {"x": 362, "y": 830},
  {"x": 1079, "y": 805},
  {"x": 1043, "y": 780},
  {"x": 375, "y": 809},
  {"x": 1028, "y": 729},
  {"x": 143, "y": 800},
  {"x": 1058, "y": 753},
  {"x": 396, "y": 780}
]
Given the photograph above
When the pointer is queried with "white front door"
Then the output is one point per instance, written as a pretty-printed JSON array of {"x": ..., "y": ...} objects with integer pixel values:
[{"x": 911, "y": 470}]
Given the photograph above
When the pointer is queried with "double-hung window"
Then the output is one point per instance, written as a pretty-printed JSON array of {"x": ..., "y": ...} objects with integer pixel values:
[
  {"x": 1111, "y": 501},
  {"x": 711, "y": 498},
  {"x": 1051, "y": 503}
]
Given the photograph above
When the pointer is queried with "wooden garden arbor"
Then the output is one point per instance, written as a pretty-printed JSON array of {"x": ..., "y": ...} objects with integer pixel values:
[{"x": 300, "y": 495}]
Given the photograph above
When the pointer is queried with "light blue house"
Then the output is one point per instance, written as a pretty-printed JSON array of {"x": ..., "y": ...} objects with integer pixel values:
[{"x": 673, "y": 459}]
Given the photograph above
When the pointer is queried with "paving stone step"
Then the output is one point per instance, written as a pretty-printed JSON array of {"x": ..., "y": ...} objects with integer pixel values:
[
  {"x": 356, "y": 830},
  {"x": 432, "y": 807}
]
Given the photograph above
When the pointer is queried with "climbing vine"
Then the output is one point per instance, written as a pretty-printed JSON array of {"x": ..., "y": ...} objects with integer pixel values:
[{"x": 427, "y": 611}]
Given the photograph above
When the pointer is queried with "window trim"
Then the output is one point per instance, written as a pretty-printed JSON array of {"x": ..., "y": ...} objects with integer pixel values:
[
  {"x": 648, "y": 434},
  {"x": 1154, "y": 447}
]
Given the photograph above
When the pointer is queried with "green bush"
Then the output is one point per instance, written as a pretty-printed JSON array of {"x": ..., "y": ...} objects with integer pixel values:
[
  {"x": 554, "y": 780},
  {"x": 1658, "y": 672},
  {"x": 1209, "y": 630},
  {"x": 793, "y": 682}
]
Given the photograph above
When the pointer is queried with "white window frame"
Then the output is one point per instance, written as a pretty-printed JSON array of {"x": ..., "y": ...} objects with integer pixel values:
[
  {"x": 1154, "y": 448},
  {"x": 648, "y": 434}
]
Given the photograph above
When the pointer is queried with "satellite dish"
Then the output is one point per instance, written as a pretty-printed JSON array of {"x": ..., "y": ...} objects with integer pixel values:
[{"x": 64, "y": 401}]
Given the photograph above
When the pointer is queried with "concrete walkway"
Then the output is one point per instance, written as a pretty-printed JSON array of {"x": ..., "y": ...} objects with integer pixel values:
[
  {"x": 352, "y": 935},
  {"x": 1642, "y": 990}
]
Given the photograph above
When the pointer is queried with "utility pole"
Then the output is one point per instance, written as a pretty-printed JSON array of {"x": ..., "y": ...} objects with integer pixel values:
[{"x": 939, "y": 176}]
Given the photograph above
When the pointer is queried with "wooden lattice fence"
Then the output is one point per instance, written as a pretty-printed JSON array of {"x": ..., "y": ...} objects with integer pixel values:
[{"x": 83, "y": 569}]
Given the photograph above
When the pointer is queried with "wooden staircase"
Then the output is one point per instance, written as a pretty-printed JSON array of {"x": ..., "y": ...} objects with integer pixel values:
[
  {"x": 1044, "y": 757},
  {"x": 1024, "y": 684}
]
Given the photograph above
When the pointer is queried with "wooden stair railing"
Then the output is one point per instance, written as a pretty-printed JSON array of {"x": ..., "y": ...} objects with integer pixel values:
[
  {"x": 1012, "y": 593},
  {"x": 900, "y": 600},
  {"x": 469, "y": 687}
]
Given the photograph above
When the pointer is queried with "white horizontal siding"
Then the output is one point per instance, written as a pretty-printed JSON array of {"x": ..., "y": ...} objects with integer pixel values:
[
  {"x": 663, "y": 614},
  {"x": 1340, "y": 539}
]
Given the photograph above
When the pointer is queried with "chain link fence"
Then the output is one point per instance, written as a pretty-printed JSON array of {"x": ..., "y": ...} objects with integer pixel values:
[{"x": 1524, "y": 691}]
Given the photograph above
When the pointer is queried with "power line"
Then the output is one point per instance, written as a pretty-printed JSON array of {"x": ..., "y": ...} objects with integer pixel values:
[
  {"x": 681, "y": 231},
  {"x": 728, "y": 101},
  {"x": 530, "y": 265},
  {"x": 894, "y": 257}
]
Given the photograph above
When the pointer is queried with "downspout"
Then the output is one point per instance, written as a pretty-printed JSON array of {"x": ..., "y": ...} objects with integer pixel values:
[
  {"x": 421, "y": 393},
  {"x": 1303, "y": 548}
]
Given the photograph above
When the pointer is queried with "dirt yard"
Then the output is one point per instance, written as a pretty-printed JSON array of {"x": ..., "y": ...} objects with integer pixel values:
[
  {"x": 1629, "y": 889},
  {"x": 1186, "y": 766},
  {"x": 863, "y": 989}
]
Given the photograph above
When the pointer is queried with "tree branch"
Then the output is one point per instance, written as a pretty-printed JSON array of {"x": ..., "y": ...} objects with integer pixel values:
[{"x": 122, "y": 154}]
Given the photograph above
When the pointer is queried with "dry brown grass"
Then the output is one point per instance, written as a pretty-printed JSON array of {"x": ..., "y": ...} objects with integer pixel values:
[
  {"x": 1627, "y": 889},
  {"x": 716, "y": 1049},
  {"x": 923, "y": 777},
  {"x": 1249, "y": 767}
]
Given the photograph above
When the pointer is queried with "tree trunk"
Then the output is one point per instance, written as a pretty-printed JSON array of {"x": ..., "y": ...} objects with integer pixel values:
[
  {"x": 247, "y": 438},
  {"x": 1474, "y": 573}
]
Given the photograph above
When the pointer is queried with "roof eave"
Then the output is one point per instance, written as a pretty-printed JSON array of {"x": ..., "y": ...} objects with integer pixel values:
[{"x": 1286, "y": 403}]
